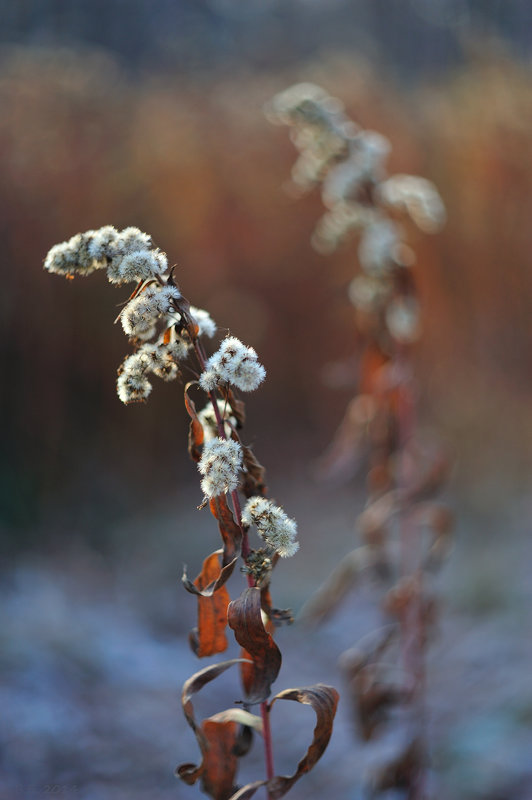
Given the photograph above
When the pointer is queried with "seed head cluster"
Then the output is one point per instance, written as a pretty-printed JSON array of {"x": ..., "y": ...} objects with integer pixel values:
[
  {"x": 273, "y": 525},
  {"x": 206, "y": 324},
  {"x": 350, "y": 163},
  {"x": 140, "y": 316},
  {"x": 233, "y": 363},
  {"x": 220, "y": 465},
  {"x": 151, "y": 318},
  {"x": 127, "y": 255},
  {"x": 209, "y": 423}
]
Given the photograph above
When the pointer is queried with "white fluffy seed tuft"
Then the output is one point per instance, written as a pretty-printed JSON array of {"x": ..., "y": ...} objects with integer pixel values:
[
  {"x": 273, "y": 525},
  {"x": 206, "y": 324},
  {"x": 233, "y": 363},
  {"x": 220, "y": 465}
]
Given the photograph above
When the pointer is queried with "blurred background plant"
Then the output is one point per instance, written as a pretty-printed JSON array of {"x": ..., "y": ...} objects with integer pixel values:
[{"x": 153, "y": 118}]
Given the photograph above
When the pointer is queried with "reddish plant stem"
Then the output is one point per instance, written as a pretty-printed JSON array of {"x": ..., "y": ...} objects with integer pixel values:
[
  {"x": 412, "y": 634},
  {"x": 268, "y": 748},
  {"x": 264, "y": 708}
]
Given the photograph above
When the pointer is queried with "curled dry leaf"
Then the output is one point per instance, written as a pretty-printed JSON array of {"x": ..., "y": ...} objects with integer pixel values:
[
  {"x": 401, "y": 772},
  {"x": 229, "y": 530},
  {"x": 344, "y": 577},
  {"x": 374, "y": 520},
  {"x": 224, "y": 573},
  {"x": 253, "y": 482},
  {"x": 373, "y": 360},
  {"x": 323, "y": 699},
  {"x": 373, "y": 688},
  {"x": 245, "y": 618},
  {"x": 370, "y": 648},
  {"x": 216, "y": 736},
  {"x": 238, "y": 407},
  {"x": 431, "y": 474},
  {"x": 277, "y": 616},
  {"x": 375, "y": 692},
  {"x": 183, "y": 308},
  {"x": 439, "y": 520},
  {"x": 340, "y": 459},
  {"x": 209, "y": 637},
  {"x": 408, "y": 600},
  {"x": 195, "y": 431}
]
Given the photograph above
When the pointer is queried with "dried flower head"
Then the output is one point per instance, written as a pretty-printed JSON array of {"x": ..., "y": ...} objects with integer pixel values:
[
  {"x": 140, "y": 265},
  {"x": 206, "y": 324},
  {"x": 220, "y": 465},
  {"x": 209, "y": 423},
  {"x": 418, "y": 197},
  {"x": 378, "y": 251},
  {"x": 273, "y": 525},
  {"x": 132, "y": 385},
  {"x": 233, "y": 363},
  {"x": 141, "y": 313}
]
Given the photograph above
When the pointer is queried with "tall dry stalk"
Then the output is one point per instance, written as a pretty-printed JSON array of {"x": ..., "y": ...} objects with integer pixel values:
[
  {"x": 168, "y": 335},
  {"x": 404, "y": 529}
]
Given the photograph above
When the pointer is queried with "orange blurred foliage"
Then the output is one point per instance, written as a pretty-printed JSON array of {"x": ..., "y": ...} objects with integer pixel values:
[{"x": 198, "y": 167}]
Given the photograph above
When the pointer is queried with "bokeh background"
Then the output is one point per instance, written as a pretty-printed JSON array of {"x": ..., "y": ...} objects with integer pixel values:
[{"x": 150, "y": 114}]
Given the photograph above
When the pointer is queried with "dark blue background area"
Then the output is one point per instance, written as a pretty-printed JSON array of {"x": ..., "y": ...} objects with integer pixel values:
[{"x": 412, "y": 37}]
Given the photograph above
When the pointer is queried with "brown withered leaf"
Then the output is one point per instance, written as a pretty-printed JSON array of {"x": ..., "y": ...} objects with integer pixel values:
[
  {"x": 373, "y": 360},
  {"x": 431, "y": 471},
  {"x": 340, "y": 459},
  {"x": 195, "y": 431},
  {"x": 216, "y": 738},
  {"x": 374, "y": 695},
  {"x": 401, "y": 772},
  {"x": 369, "y": 649},
  {"x": 278, "y": 616},
  {"x": 220, "y": 762},
  {"x": 373, "y": 687},
  {"x": 343, "y": 578},
  {"x": 323, "y": 699},
  {"x": 244, "y": 617},
  {"x": 238, "y": 407},
  {"x": 253, "y": 477},
  {"x": 224, "y": 573},
  {"x": 439, "y": 520},
  {"x": 240, "y": 715},
  {"x": 229, "y": 530},
  {"x": 183, "y": 308},
  {"x": 374, "y": 520},
  {"x": 410, "y": 601},
  {"x": 244, "y": 741},
  {"x": 209, "y": 637}
]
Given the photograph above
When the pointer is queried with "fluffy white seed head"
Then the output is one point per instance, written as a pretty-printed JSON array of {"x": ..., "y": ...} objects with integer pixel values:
[
  {"x": 418, "y": 197},
  {"x": 140, "y": 314},
  {"x": 103, "y": 246},
  {"x": 379, "y": 246},
  {"x": 140, "y": 265},
  {"x": 178, "y": 348},
  {"x": 403, "y": 319},
  {"x": 233, "y": 363},
  {"x": 206, "y": 324},
  {"x": 220, "y": 465},
  {"x": 74, "y": 256},
  {"x": 131, "y": 240},
  {"x": 367, "y": 293},
  {"x": 344, "y": 181},
  {"x": 126, "y": 254},
  {"x": 273, "y": 525},
  {"x": 132, "y": 385},
  {"x": 209, "y": 423},
  {"x": 160, "y": 361}
]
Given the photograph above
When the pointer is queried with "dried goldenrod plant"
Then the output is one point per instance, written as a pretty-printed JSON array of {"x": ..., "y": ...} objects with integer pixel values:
[
  {"x": 404, "y": 528},
  {"x": 167, "y": 332}
]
